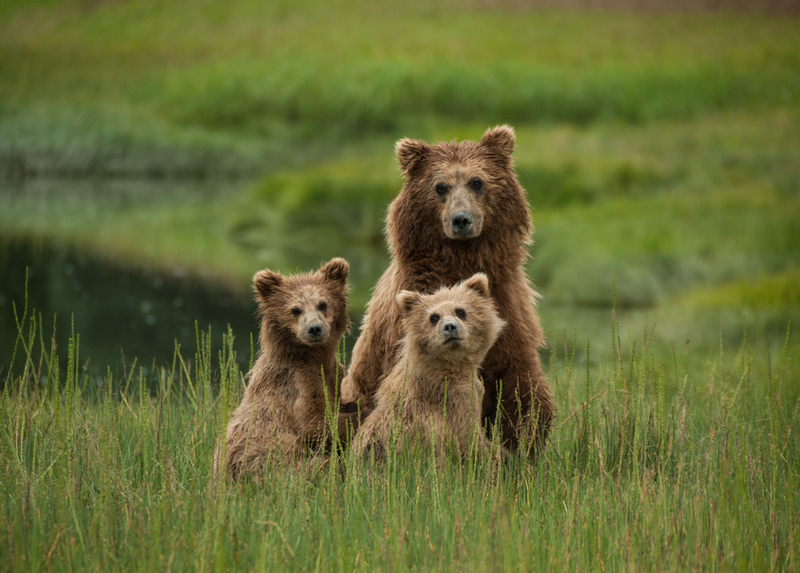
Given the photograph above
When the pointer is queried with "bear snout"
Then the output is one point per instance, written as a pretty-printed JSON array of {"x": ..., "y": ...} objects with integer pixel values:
[
  {"x": 450, "y": 331},
  {"x": 450, "y": 328},
  {"x": 314, "y": 332},
  {"x": 461, "y": 223}
]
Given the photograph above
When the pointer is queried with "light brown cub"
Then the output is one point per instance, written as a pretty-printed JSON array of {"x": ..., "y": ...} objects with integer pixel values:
[
  {"x": 448, "y": 333},
  {"x": 283, "y": 410}
]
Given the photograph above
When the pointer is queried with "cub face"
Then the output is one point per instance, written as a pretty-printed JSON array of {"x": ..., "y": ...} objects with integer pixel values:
[
  {"x": 463, "y": 183},
  {"x": 456, "y": 324},
  {"x": 309, "y": 309}
]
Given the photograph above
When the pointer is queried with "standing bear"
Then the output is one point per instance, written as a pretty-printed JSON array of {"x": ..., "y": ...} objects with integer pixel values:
[
  {"x": 433, "y": 393},
  {"x": 294, "y": 384},
  {"x": 462, "y": 211}
]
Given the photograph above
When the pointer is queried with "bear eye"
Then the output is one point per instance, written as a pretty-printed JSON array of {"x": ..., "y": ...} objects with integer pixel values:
[
  {"x": 476, "y": 183},
  {"x": 461, "y": 313},
  {"x": 296, "y": 311},
  {"x": 435, "y": 318},
  {"x": 322, "y": 307},
  {"x": 442, "y": 189}
]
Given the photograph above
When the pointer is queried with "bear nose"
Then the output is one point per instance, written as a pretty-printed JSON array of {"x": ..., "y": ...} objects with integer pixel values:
[
  {"x": 461, "y": 222},
  {"x": 314, "y": 331},
  {"x": 450, "y": 328}
]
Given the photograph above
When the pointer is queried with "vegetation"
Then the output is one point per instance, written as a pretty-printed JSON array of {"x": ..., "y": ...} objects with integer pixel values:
[
  {"x": 661, "y": 154},
  {"x": 193, "y": 88},
  {"x": 651, "y": 466},
  {"x": 658, "y": 147}
]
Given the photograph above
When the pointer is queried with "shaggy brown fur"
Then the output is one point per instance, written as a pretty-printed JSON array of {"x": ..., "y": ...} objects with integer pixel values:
[
  {"x": 462, "y": 211},
  {"x": 447, "y": 335},
  {"x": 283, "y": 410}
]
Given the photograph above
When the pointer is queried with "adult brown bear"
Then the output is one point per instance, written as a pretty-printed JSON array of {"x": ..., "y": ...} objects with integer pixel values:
[{"x": 462, "y": 211}]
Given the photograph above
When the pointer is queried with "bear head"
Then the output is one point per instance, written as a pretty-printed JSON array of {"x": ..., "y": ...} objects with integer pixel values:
[
  {"x": 307, "y": 309},
  {"x": 457, "y": 324},
  {"x": 459, "y": 191}
]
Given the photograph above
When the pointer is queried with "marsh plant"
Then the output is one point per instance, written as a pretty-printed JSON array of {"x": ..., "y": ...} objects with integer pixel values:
[{"x": 652, "y": 464}]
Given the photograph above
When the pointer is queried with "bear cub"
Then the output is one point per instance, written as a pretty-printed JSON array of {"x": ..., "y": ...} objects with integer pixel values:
[
  {"x": 283, "y": 411},
  {"x": 447, "y": 335}
]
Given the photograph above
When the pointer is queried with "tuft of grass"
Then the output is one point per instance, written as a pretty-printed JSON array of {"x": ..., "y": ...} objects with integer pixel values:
[{"x": 652, "y": 465}]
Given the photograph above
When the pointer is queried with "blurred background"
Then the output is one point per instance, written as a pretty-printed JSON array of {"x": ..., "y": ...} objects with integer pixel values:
[{"x": 155, "y": 155}]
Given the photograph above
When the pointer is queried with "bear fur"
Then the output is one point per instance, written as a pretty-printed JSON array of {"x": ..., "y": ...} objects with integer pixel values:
[
  {"x": 283, "y": 411},
  {"x": 448, "y": 333},
  {"x": 462, "y": 211}
]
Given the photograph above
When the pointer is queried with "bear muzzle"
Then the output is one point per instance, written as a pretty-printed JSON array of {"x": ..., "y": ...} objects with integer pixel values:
[
  {"x": 313, "y": 330},
  {"x": 451, "y": 332},
  {"x": 461, "y": 223}
]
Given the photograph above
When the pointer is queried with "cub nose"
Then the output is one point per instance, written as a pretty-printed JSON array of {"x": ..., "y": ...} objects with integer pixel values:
[
  {"x": 461, "y": 222},
  {"x": 314, "y": 332},
  {"x": 450, "y": 328}
]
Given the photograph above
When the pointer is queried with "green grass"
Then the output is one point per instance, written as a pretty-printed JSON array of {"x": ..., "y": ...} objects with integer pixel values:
[
  {"x": 658, "y": 210},
  {"x": 659, "y": 150},
  {"x": 652, "y": 466},
  {"x": 660, "y": 153},
  {"x": 262, "y": 81}
]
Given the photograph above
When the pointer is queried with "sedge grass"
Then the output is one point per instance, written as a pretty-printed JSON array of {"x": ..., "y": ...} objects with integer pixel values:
[{"x": 653, "y": 465}]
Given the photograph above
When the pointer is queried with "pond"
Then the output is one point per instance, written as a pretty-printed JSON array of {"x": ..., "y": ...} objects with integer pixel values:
[{"x": 120, "y": 313}]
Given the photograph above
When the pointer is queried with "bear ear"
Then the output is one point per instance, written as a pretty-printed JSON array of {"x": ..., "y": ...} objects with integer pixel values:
[
  {"x": 335, "y": 270},
  {"x": 408, "y": 300},
  {"x": 410, "y": 153},
  {"x": 479, "y": 283},
  {"x": 501, "y": 138},
  {"x": 266, "y": 282}
]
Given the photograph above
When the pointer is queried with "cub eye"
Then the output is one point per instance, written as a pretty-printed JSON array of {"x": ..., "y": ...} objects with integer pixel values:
[
  {"x": 461, "y": 313},
  {"x": 296, "y": 311},
  {"x": 442, "y": 189},
  {"x": 476, "y": 183},
  {"x": 323, "y": 306},
  {"x": 435, "y": 318}
]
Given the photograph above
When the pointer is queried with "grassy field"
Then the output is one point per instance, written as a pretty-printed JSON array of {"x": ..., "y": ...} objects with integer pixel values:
[
  {"x": 661, "y": 148},
  {"x": 652, "y": 466},
  {"x": 661, "y": 154},
  {"x": 199, "y": 89}
]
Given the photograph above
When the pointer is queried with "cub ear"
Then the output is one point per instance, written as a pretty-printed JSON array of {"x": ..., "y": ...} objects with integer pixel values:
[
  {"x": 335, "y": 270},
  {"x": 266, "y": 282},
  {"x": 479, "y": 283},
  {"x": 407, "y": 300},
  {"x": 410, "y": 153},
  {"x": 501, "y": 138}
]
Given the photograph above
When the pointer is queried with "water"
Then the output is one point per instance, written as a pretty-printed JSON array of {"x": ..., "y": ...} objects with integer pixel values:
[{"x": 120, "y": 313}]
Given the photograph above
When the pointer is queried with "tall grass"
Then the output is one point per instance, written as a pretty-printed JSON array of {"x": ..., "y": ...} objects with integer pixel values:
[{"x": 652, "y": 466}]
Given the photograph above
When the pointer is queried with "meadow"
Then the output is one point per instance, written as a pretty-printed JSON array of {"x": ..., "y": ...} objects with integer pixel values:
[
  {"x": 661, "y": 155},
  {"x": 652, "y": 466}
]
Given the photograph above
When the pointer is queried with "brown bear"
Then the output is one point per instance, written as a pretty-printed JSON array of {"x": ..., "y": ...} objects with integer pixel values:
[
  {"x": 295, "y": 382},
  {"x": 433, "y": 392},
  {"x": 461, "y": 211}
]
